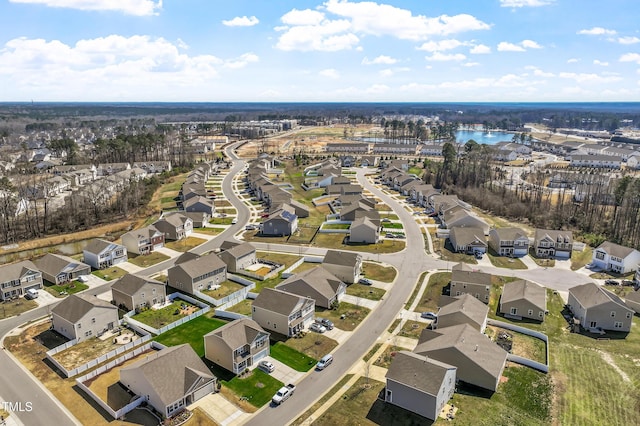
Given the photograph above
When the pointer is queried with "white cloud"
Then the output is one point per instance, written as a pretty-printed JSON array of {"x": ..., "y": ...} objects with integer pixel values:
[
  {"x": 442, "y": 45},
  {"x": 377, "y": 89},
  {"x": 110, "y": 68},
  {"x": 524, "y": 3},
  {"x": 443, "y": 57},
  {"x": 628, "y": 40},
  {"x": 630, "y": 57},
  {"x": 129, "y": 7},
  {"x": 382, "y": 59},
  {"x": 302, "y": 17},
  {"x": 589, "y": 77},
  {"x": 330, "y": 73},
  {"x": 538, "y": 72},
  {"x": 242, "y": 21},
  {"x": 480, "y": 49},
  {"x": 601, "y": 63},
  {"x": 471, "y": 64},
  {"x": 388, "y": 72},
  {"x": 572, "y": 60},
  {"x": 342, "y": 23},
  {"x": 597, "y": 31},
  {"x": 504, "y": 46}
]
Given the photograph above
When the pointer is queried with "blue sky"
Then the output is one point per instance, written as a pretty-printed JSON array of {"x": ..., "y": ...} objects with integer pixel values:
[{"x": 333, "y": 50}]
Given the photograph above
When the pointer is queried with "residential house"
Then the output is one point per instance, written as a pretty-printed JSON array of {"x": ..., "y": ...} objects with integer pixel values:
[
  {"x": 468, "y": 240},
  {"x": 135, "y": 292},
  {"x": 17, "y": 278},
  {"x": 596, "y": 161},
  {"x": 512, "y": 242},
  {"x": 479, "y": 361},
  {"x": 282, "y": 312},
  {"x": 364, "y": 230},
  {"x": 199, "y": 219},
  {"x": 82, "y": 316},
  {"x": 523, "y": 299},
  {"x": 280, "y": 222},
  {"x": 457, "y": 216},
  {"x": 632, "y": 300},
  {"x": 169, "y": 379},
  {"x": 358, "y": 147},
  {"x": 238, "y": 256},
  {"x": 596, "y": 307},
  {"x": 464, "y": 309},
  {"x": 615, "y": 258},
  {"x": 199, "y": 204},
  {"x": 197, "y": 274},
  {"x": 317, "y": 284},
  {"x": 550, "y": 244},
  {"x": 298, "y": 208},
  {"x": 345, "y": 265},
  {"x": 419, "y": 384},
  {"x": 174, "y": 226},
  {"x": 59, "y": 269},
  {"x": 369, "y": 161},
  {"x": 143, "y": 240},
  {"x": 237, "y": 346},
  {"x": 469, "y": 281},
  {"x": 101, "y": 254}
]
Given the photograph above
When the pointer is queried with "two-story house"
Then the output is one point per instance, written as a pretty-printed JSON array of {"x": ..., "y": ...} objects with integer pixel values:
[
  {"x": 237, "y": 256},
  {"x": 550, "y": 244},
  {"x": 174, "y": 226},
  {"x": 133, "y": 291},
  {"x": 237, "y": 345},
  {"x": 82, "y": 316},
  {"x": 17, "y": 278},
  {"x": 317, "y": 284},
  {"x": 512, "y": 242},
  {"x": 197, "y": 274},
  {"x": 58, "y": 269},
  {"x": 596, "y": 307},
  {"x": 346, "y": 266},
  {"x": 615, "y": 258},
  {"x": 465, "y": 280},
  {"x": 100, "y": 254},
  {"x": 143, "y": 241},
  {"x": 282, "y": 312}
]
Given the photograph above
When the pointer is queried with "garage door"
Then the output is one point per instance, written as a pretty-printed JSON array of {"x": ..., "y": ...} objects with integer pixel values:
[
  {"x": 202, "y": 392},
  {"x": 257, "y": 357}
]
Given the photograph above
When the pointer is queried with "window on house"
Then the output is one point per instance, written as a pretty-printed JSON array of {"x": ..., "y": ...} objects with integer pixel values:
[
  {"x": 628, "y": 315},
  {"x": 613, "y": 314},
  {"x": 93, "y": 320},
  {"x": 457, "y": 293},
  {"x": 79, "y": 326},
  {"x": 540, "y": 314},
  {"x": 513, "y": 311},
  {"x": 617, "y": 324},
  {"x": 530, "y": 312}
]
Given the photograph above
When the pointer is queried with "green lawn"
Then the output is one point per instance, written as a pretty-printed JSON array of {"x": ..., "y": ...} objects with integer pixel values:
[
  {"x": 431, "y": 295},
  {"x": 160, "y": 317},
  {"x": 185, "y": 244},
  {"x": 444, "y": 249},
  {"x": 353, "y": 315},
  {"x": 68, "y": 288},
  {"x": 365, "y": 291},
  {"x": 291, "y": 357},
  {"x": 300, "y": 420},
  {"x": 257, "y": 387},
  {"x": 144, "y": 261},
  {"x": 111, "y": 273},
  {"x": 336, "y": 241},
  {"x": 210, "y": 231},
  {"x": 505, "y": 262},
  {"x": 336, "y": 226},
  {"x": 191, "y": 332},
  {"x": 415, "y": 170},
  {"x": 377, "y": 272},
  {"x": 412, "y": 329},
  {"x": 416, "y": 290},
  {"x": 581, "y": 258},
  {"x": 392, "y": 225},
  {"x": 243, "y": 307},
  {"x": 226, "y": 288},
  {"x": 313, "y": 345},
  {"x": 221, "y": 221},
  {"x": 547, "y": 263},
  {"x": 285, "y": 259},
  {"x": 16, "y": 307}
]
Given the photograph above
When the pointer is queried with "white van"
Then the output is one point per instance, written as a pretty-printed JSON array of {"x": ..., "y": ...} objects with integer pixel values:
[
  {"x": 31, "y": 293},
  {"x": 324, "y": 362}
]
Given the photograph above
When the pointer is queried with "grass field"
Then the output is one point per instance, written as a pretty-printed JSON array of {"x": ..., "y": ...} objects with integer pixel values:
[
  {"x": 313, "y": 345},
  {"x": 353, "y": 315},
  {"x": 257, "y": 387},
  {"x": 209, "y": 231},
  {"x": 505, "y": 262},
  {"x": 185, "y": 244},
  {"x": 304, "y": 416},
  {"x": 291, "y": 357},
  {"x": 16, "y": 307},
  {"x": 285, "y": 259},
  {"x": 243, "y": 307},
  {"x": 335, "y": 226},
  {"x": 144, "y": 261},
  {"x": 60, "y": 290},
  {"x": 416, "y": 290},
  {"x": 226, "y": 288},
  {"x": 431, "y": 296},
  {"x": 365, "y": 291},
  {"x": 160, "y": 317},
  {"x": 412, "y": 329},
  {"x": 336, "y": 241},
  {"x": 191, "y": 332},
  {"x": 581, "y": 258},
  {"x": 111, "y": 273},
  {"x": 377, "y": 272}
]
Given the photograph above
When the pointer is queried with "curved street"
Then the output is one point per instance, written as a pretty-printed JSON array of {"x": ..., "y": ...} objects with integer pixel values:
[{"x": 18, "y": 385}]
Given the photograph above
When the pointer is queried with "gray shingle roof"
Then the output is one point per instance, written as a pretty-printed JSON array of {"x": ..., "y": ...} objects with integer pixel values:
[
  {"x": 53, "y": 264},
  {"x": 509, "y": 234},
  {"x": 470, "y": 276},
  {"x": 342, "y": 258},
  {"x": 613, "y": 249},
  {"x": 591, "y": 294},
  {"x": 172, "y": 372},
  {"x": 74, "y": 307},
  {"x": 237, "y": 333},
  {"x": 279, "y": 301},
  {"x": 98, "y": 245},
  {"x": 202, "y": 265},
  {"x": 466, "y": 305},
  {"x": 312, "y": 283},
  {"x": 525, "y": 290},
  {"x": 129, "y": 284},
  {"x": 418, "y": 371},
  {"x": 13, "y": 271},
  {"x": 467, "y": 235}
]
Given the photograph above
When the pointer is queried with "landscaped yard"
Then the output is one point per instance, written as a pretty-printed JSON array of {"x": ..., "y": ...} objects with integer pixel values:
[
  {"x": 243, "y": 307},
  {"x": 158, "y": 318},
  {"x": 365, "y": 291},
  {"x": 144, "y": 261},
  {"x": 504, "y": 261},
  {"x": 445, "y": 250},
  {"x": 282, "y": 258},
  {"x": 16, "y": 307},
  {"x": 185, "y": 244},
  {"x": 257, "y": 387},
  {"x": 221, "y": 221},
  {"x": 61, "y": 290},
  {"x": 291, "y": 357},
  {"x": 209, "y": 230},
  {"x": 191, "y": 332},
  {"x": 392, "y": 225},
  {"x": 336, "y": 226},
  {"x": 336, "y": 241},
  {"x": 352, "y": 314},
  {"x": 226, "y": 288},
  {"x": 435, "y": 289},
  {"x": 111, "y": 273},
  {"x": 376, "y": 271},
  {"x": 313, "y": 345},
  {"x": 412, "y": 329},
  {"x": 581, "y": 258}
]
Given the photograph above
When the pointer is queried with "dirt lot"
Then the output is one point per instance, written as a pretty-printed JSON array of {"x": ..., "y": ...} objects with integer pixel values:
[
  {"x": 32, "y": 355},
  {"x": 86, "y": 351}
]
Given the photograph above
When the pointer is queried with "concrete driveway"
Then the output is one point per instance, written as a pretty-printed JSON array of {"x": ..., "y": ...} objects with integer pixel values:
[
  {"x": 283, "y": 372},
  {"x": 220, "y": 410}
]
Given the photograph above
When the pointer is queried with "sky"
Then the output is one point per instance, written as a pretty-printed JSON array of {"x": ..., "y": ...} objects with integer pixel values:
[{"x": 319, "y": 51}]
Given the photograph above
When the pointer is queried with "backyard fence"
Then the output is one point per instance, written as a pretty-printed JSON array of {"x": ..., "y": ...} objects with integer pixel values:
[
  {"x": 233, "y": 298},
  {"x": 229, "y": 315},
  {"x": 520, "y": 360},
  {"x": 271, "y": 274},
  {"x": 311, "y": 259},
  {"x": 116, "y": 414}
]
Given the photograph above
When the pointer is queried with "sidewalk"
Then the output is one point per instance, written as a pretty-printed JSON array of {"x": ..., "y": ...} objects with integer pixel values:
[{"x": 12, "y": 420}]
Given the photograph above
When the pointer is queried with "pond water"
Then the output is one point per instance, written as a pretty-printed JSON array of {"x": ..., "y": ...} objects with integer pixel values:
[{"x": 488, "y": 138}]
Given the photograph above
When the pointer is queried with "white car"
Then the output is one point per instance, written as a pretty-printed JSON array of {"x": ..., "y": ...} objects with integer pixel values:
[
  {"x": 83, "y": 278},
  {"x": 318, "y": 328},
  {"x": 234, "y": 221},
  {"x": 266, "y": 366}
]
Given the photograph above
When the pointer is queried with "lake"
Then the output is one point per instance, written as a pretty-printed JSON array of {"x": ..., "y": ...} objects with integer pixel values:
[{"x": 488, "y": 138}]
